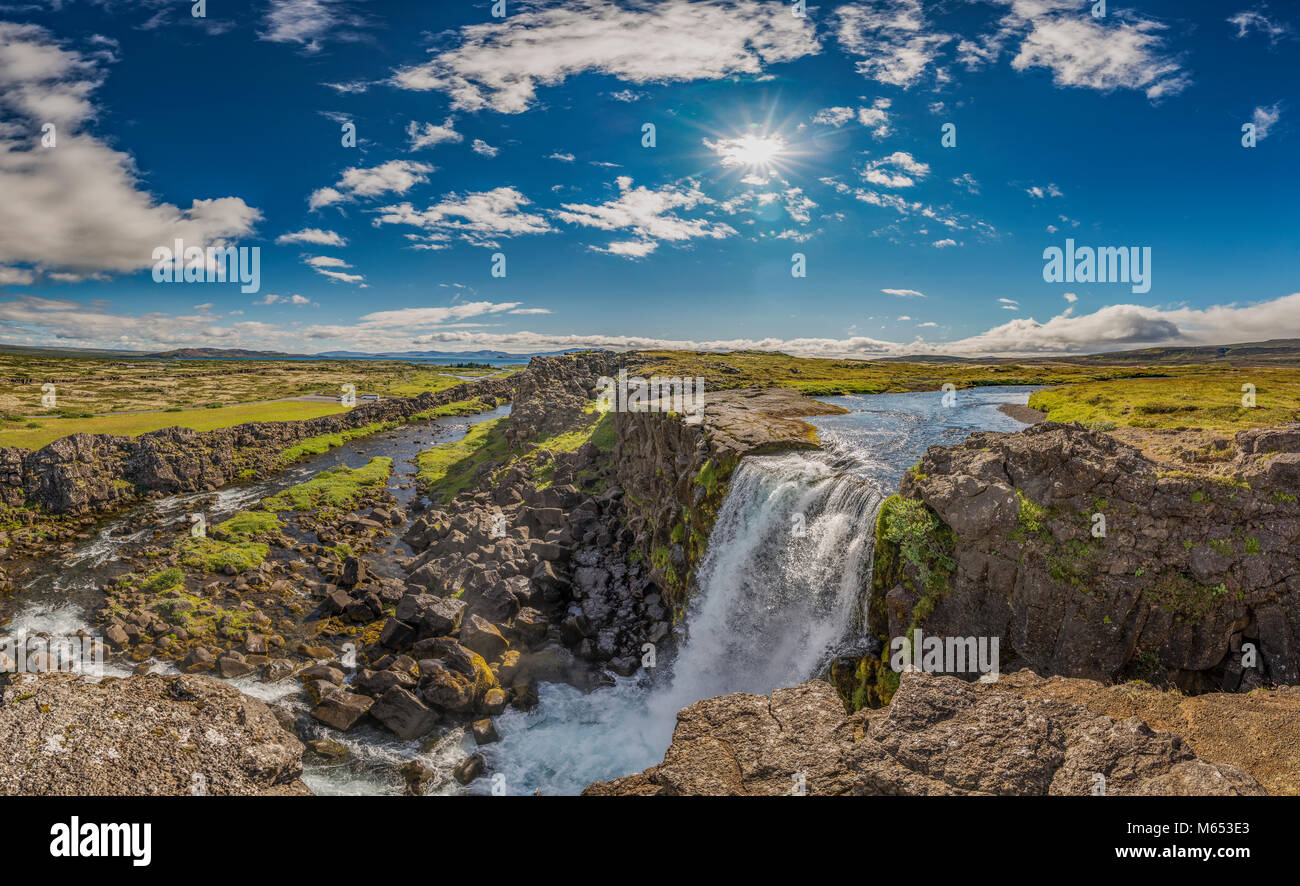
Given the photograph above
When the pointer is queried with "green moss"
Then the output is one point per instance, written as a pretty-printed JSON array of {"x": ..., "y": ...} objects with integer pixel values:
[
  {"x": 325, "y": 442},
  {"x": 914, "y": 548},
  {"x": 336, "y": 488},
  {"x": 1032, "y": 517},
  {"x": 162, "y": 580},
  {"x": 247, "y": 524},
  {"x": 214, "y": 555}
]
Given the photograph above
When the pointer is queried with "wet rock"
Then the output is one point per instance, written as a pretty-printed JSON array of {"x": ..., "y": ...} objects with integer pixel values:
[
  {"x": 485, "y": 731},
  {"x": 470, "y": 768},
  {"x": 341, "y": 709},
  {"x": 403, "y": 714},
  {"x": 481, "y": 636}
]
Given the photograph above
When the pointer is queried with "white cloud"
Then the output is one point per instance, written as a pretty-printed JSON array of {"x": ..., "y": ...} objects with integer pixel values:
[
  {"x": 77, "y": 208},
  {"x": 904, "y": 293},
  {"x": 1120, "y": 51},
  {"x": 876, "y": 118},
  {"x": 899, "y": 170},
  {"x": 836, "y": 117},
  {"x": 1114, "y": 327},
  {"x": 900, "y": 47},
  {"x": 427, "y": 135},
  {"x": 395, "y": 176},
  {"x": 1265, "y": 118},
  {"x": 314, "y": 236},
  {"x": 648, "y": 215},
  {"x": 483, "y": 149},
  {"x": 944, "y": 243},
  {"x": 1070, "y": 297},
  {"x": 1038, "y": 192},
  {"x": 325, "y": 261},
  {"x": 477, "y": 218},
  {"x": 967, "y": 182},
  {"x": 311, "y": 22},
  {"x": 499, "y": 65},
  {"x": 563, "y": 158},
  {"x": 1255, "y": 20},
  {"x": 892, "y": 36}
]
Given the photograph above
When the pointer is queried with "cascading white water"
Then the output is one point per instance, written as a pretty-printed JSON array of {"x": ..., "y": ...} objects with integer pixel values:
[{"x": 787, "y": 564}]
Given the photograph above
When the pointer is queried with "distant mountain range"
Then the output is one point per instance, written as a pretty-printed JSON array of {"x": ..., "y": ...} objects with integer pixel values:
[{"x": 1278, "y": 350}]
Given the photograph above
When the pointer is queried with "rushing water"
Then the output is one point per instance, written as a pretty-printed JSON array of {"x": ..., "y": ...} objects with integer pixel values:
[
  {"x": 59, "y": 598},
  {"x": 771, "y": 603}
]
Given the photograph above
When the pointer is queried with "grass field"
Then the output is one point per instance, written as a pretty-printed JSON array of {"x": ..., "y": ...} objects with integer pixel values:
[
  {"x": 1202, "y": 399},
  {"x": 102, "y": 385},
  {"x": 50, "y": 429},
  {"x": 820, "y": 377}
]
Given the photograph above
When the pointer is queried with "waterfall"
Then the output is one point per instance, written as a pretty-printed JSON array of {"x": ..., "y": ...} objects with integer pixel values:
[{"x": 787, "y": 566}]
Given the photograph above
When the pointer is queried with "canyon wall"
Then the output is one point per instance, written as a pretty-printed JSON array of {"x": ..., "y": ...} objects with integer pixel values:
[{"x": 1002, "y": 536}]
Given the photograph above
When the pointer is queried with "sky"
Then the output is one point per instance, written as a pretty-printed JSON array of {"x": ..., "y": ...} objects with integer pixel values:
[{"x": 856, "y": 179}]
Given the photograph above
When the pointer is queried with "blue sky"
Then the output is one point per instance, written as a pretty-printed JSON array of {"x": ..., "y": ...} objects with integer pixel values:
[{"x": 523, "y": 136}]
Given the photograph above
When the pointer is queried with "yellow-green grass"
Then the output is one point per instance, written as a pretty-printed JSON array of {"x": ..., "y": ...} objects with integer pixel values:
[
  {"x": 823, "y": 377},
  {"x": 51, "y": 429},
  {"x": 215, "y": 555},
  {"x": 447, "y": 470},
  {"x": 417, "y": 381},
  {"x": 246, "y": 524},
  {"x": 1203, "y": 399},
  {"x": 325, "y": 442},
  {"x": 115, "y": 385},
  {"x": 335, "y": 488}
]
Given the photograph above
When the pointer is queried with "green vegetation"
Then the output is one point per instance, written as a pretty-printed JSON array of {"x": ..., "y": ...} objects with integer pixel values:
[
  {"x": 335, "y": 488},
  {"x": 822, "y": 377},
  {"x": 1189, "y": 396},
  {"x": 162, "y": 580},
  {"x": 247, "y": 524},
  {"x": 449, "y": 469},
  {"x": 214, "y": 555},
  {"x": 913, "y": 547},
  {"x": 133, "y": 425},
  {"x": 325, "y": 442},
  {"x": 1032, "y": 517}
]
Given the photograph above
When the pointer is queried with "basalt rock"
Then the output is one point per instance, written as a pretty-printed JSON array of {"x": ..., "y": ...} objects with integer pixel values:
[
  {"x": 143, "y": 735},
  {"x": 1087, "y": 559},
  {"x": 939, "y": 736}
]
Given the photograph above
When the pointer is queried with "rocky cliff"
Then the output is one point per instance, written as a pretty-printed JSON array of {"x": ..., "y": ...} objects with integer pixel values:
[
  {"x": 83, "y": 473},
  {"x": 939, "y": 736},
  {"x": 675, "y": 473},
  {"x": 1086, "y": 558}
]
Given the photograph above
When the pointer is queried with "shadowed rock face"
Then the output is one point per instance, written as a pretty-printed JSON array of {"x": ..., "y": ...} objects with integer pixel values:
[
  {"x": 940, "y": 736},
  {"x": 1190, "y": 568},
  {"x": 82, "y": 473},
  {"x": 146, "y": 735}
]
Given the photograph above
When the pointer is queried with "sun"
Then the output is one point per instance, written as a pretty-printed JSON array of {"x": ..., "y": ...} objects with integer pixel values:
[{"x": 750, "y": 151}]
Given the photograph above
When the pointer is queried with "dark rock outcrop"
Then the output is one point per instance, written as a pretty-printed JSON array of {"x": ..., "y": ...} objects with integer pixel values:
[
  {"x": 940, "y": 736},
  {"x": 1194, "y": 572}
]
